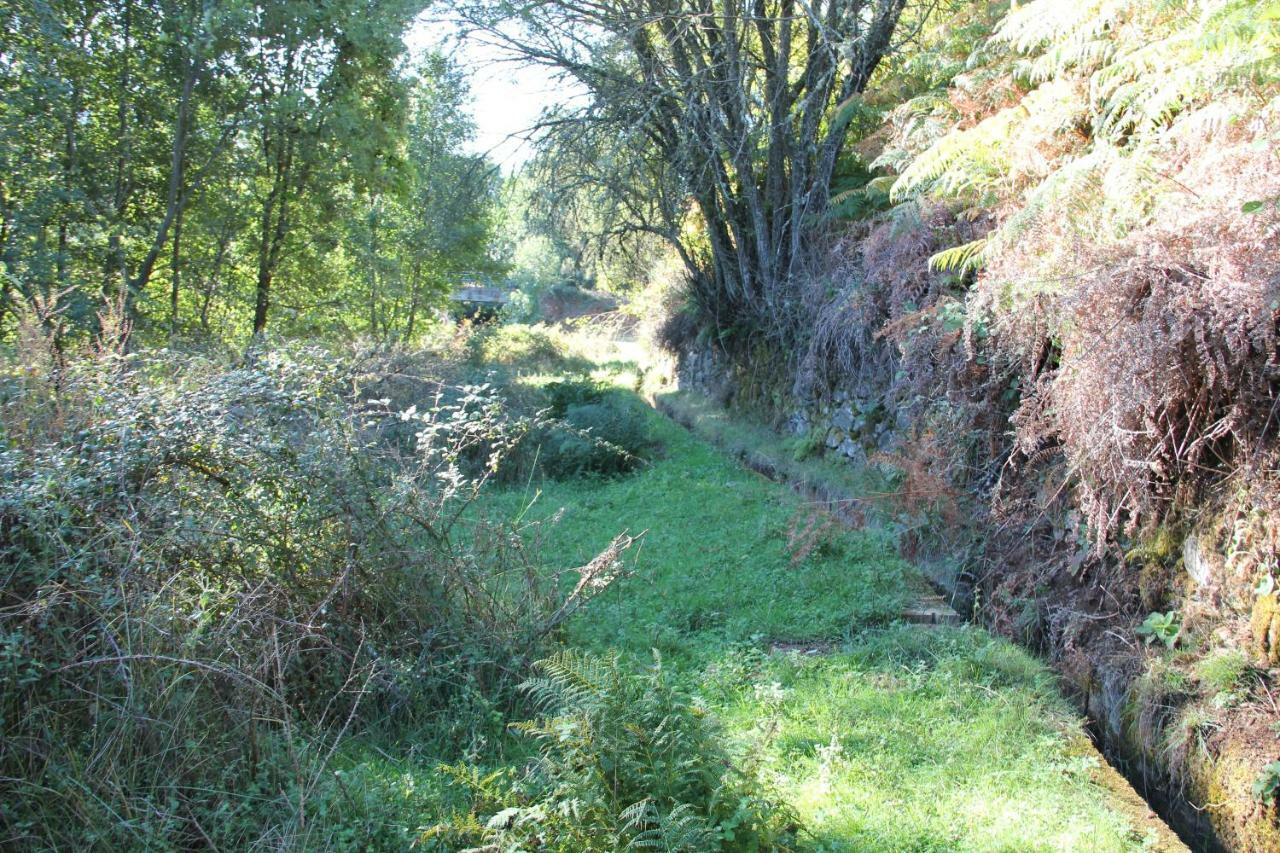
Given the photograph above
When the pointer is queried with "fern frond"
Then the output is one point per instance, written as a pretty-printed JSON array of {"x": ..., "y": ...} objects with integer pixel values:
[
  {"x": 962, "y": 162},
  {"x": 959, "y": 258}
]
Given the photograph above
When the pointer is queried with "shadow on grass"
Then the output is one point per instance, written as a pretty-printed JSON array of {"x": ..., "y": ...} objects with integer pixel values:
[{"x": 889, "y": 737}]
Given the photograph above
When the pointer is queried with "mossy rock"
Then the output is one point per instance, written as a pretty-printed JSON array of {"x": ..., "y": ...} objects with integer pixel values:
[
  {"x": 1157, "y": 556},
  {"x": 1223, "y": 784},
  {"x": 1265, "y": 624}
]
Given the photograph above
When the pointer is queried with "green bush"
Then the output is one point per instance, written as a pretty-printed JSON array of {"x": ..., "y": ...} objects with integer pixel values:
[
  {"x": 571, "y": 392},
  {"x": 605, "y": 438},
  {"x": 216, "y": 573},
  {"x": 626, "y": 760},
  {"x": 530, "y": 347}
]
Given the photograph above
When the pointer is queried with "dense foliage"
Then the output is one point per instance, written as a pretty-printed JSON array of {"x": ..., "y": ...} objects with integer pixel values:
[
  {"x": 1127, "y": 162},
  {"x": 216, "y": 572},
  {"x": 219, "y": 167}
]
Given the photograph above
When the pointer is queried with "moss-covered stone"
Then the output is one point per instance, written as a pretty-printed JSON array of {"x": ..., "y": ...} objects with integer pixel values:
[
  {"x": 1265, "y": 625},
  {"x": 1224, "y": 785},
  {"x": 1157, "y": 556},
  {"x": 1153, "y": 585}
]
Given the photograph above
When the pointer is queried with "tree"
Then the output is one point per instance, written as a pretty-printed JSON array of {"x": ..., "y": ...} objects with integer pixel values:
[
  {"x": 417, "y": 235},
  {"x": 739, "y": 106},
  {"x": 221, "y": 148},
  {"x": 327, "y": 98}
]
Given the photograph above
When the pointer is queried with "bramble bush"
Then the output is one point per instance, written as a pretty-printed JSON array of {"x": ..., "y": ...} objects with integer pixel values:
[
  {"x": 579, "y": 428},
  {"x": 216, "y": 574},
  {"x": 606, "y": 437}
]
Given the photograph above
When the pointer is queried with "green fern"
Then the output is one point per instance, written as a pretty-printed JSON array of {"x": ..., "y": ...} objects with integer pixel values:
[
  {"x": 961, "y": 258},
  {"x": 680, "y": 830},
  {"x": 626, "y": 761},
  {"x": 963, "y": 164},
  {"x": 1148, "y": 66}
]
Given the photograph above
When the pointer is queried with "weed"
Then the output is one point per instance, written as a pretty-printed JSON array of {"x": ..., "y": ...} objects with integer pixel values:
[
  {"x": 1266, "y": 788},
  {"x": 1224, "y": 670},
  {"x": 627, "y": 760},
  {"x": 808, "y": 531},
  {"x": 1161, "y": 627}
]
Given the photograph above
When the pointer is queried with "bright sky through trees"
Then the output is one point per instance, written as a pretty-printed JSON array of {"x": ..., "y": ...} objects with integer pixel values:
[{"x": 506, "y": 98}]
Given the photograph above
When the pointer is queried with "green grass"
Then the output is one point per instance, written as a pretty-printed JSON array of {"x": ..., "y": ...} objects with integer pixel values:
[
  {"x": 882, "y": 736},
  {"x": 907, "y": 739},
  {"x": 714, "y": 565},
  {"x": 796, "y": 459}
]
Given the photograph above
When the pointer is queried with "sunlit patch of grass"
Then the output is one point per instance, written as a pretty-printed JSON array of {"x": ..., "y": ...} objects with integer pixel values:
[
  {"x": 714, "y": 566},
  {"x": 911, "y": 739},
  {"x": 902, "y": 738}
]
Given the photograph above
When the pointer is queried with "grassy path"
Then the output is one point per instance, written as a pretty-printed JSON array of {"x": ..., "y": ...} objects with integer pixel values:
[{"x": 882, "y": 736}]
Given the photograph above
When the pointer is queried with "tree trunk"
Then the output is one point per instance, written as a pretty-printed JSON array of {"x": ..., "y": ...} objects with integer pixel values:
[
  {"x": 275, "y": 228},
  {"x": 117, "y": 264},
  {"x": 414, "y": 282},
  {"x": 176, "y": 193},
  {"x": 175, "y": 285},
  {"x": 211, "y": 283}
]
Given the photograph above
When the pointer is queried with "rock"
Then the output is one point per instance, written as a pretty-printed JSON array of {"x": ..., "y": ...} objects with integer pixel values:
[
  {"x": 843, "y": 418},
  {"x": 1264, "y": 624},
  {"x": 835, "y": 438},
  {"x": 853, "y": 450},
  {"x": 1196, "y": 561}
]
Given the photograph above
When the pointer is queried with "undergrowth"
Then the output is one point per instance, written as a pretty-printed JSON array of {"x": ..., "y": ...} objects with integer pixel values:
[
  {"x": 218, "y": 573},
  {"x": 627, "y": 760},
  {"x": 292, "y": 601}
]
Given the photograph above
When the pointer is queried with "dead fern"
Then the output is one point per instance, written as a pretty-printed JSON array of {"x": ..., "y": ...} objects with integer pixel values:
[{"x": 810, "y": 529}]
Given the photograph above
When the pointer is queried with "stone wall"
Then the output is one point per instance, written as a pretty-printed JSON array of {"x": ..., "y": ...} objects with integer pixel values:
[{"x": 844, "y": 424}]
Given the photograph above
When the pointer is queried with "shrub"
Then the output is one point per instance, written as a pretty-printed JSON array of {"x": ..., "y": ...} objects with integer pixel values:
[
  {"x": 571, "y": 392},
  {"x": 626, "y": 760},
  {"x": 604, "y": 438},
  {"x": 530, "y": 347},
  {"x": 216, "y": 574}
]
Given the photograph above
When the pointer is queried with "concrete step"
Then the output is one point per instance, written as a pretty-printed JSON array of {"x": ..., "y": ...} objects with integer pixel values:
[{"x": 931, "y": 610}]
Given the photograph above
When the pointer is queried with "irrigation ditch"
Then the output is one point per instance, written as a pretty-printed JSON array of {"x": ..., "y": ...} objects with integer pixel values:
[{"x": 1153, "y": 801}]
